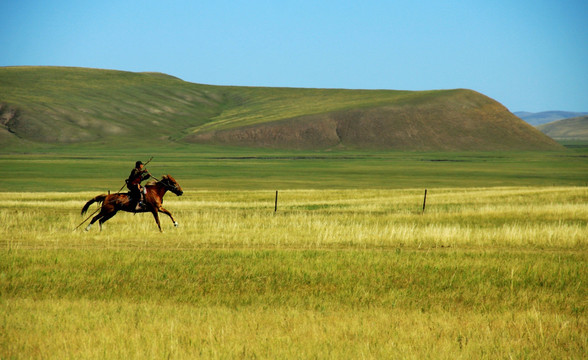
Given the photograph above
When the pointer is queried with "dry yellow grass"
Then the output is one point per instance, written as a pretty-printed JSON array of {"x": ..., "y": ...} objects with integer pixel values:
[
  {"x": 490, "y": 217},
  {"x": 484, "y": 273},
  {"x": 85, "y": 329}
]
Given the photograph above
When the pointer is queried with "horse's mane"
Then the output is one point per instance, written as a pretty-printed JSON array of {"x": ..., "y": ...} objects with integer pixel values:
[{"x": 152, "y": 182}]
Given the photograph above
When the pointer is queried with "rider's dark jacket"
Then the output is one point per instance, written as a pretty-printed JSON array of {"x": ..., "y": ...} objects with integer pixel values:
[
  {"x": 134, "y": 181},
  {"x": 137, "y": 175}
]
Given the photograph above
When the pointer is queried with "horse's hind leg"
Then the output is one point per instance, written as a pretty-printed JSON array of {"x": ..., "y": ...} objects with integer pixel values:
[
  {"x": 100, "y": 215},
  {"x": 106, "y": 218}
]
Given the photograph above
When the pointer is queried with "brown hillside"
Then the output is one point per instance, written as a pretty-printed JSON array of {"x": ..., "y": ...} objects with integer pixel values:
[{"x": 454, "y": 120}]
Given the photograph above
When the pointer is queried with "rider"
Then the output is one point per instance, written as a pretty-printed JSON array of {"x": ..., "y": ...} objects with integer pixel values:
[{"x": 138, "y": 174}]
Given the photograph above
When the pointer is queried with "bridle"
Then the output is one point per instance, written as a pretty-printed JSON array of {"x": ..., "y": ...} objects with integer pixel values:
[{"x": 169, "y": 186}]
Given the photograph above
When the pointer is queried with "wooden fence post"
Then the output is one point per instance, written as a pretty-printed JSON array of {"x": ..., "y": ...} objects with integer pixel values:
[
  {"x": 425, "y": 201},
  {"x": 276, "y": 205}
]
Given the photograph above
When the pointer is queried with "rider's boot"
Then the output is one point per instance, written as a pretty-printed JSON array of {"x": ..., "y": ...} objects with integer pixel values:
[
  {"x": 142, "y": 199},
  {"x": 133, "y": 202}
]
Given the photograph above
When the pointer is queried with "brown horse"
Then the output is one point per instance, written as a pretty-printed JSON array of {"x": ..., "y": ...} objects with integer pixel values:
[{"x": 154, "y": 193}]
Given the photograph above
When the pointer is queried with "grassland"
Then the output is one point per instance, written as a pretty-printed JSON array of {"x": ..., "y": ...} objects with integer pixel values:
[
  {"x": 348, "y": 267},
  {"x": 484, "y": 273},
  {"x": 206, "y": 167}
]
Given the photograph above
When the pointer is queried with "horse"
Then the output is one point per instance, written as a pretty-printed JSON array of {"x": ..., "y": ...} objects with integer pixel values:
[{"x": 112, "y": 203}]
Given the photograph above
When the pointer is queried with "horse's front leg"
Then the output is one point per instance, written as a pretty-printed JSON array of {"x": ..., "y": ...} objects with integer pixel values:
[
  {"x": 156, "y": 216},
  {"x": 165, "y": 211}
]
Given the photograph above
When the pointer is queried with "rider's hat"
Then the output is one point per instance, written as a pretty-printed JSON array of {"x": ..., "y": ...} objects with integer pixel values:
[{"x": 138, "y": 163}]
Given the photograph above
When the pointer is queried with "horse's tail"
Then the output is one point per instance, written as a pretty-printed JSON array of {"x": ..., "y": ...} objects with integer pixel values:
[{"x": 99, "y": 199}]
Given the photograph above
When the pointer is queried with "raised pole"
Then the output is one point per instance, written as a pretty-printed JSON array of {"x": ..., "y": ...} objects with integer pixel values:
[{"x": 92, "y": 214}]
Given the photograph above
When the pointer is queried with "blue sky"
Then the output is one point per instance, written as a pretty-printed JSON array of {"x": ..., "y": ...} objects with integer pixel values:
[{"x": 528, "y": 55}]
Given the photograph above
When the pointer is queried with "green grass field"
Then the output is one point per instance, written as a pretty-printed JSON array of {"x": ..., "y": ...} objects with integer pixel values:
[
  {"x": 348, "y": 267},
  {"x": 206, "y": 167}
]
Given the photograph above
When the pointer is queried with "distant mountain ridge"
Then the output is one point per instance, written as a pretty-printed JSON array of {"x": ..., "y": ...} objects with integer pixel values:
[
  {"x": 58, "y": 105},
  {"x": 545, "y": 117}
]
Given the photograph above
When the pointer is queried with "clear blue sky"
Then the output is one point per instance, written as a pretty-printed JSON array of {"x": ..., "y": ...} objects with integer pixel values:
[{"x": 528, "y": 55}]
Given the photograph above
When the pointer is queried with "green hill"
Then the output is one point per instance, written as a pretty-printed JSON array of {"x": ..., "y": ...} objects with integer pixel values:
[
  {"x": 71, "y": 105},
  {"x": 567, "y": 129},
  {"x": 54, "y": 105}
]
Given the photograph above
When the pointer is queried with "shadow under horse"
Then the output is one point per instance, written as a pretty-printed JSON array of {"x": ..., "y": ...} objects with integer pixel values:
[{"x": 113, "y": 203}]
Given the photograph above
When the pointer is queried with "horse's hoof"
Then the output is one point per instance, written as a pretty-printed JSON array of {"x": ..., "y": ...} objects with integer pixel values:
[{"x": 176, "y": 224}]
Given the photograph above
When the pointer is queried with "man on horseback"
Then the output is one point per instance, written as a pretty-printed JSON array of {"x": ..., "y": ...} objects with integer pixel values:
[
  {"x": 113, "y": 203},
  {"x": 138, "y": 174}
]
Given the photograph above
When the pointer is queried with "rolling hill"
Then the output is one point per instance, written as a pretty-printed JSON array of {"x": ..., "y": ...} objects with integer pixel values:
[
  {"x": 567, "y": 129},
  {"x": 545, "y": 117},
  {"x": 56, "y": 105}
]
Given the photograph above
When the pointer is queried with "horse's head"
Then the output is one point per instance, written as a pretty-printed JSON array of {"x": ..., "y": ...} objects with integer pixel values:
[{"x": 172, "y": 185}]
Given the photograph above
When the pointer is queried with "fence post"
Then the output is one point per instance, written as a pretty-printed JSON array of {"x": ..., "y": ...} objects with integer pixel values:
[
  {"x": 276, "y": 205},
  {"x": 424, "y": 201}
]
